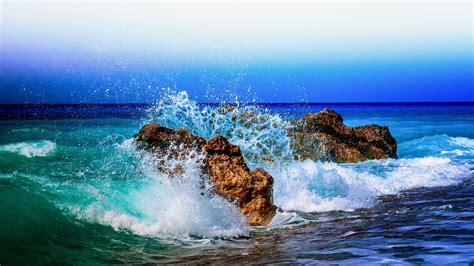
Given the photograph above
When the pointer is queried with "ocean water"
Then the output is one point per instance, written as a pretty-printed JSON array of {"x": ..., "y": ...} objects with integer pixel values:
[{"x": 75, "y": 189}]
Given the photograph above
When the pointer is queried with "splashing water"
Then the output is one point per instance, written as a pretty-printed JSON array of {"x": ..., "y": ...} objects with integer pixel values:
[
  {"x": 98, "y": 176},
  {"x": 261, "y": 135},
  {"x": 305, "y": 186}
]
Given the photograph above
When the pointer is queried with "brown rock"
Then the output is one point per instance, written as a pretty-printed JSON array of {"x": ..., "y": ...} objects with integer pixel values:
[
  {"x": 163, "y": 138},
  {"x": 223, "y": 163},
  {"x": 168, "y": 144},
  {"x": 323, "y": 136},
  {"x": 252, "y": 190}
]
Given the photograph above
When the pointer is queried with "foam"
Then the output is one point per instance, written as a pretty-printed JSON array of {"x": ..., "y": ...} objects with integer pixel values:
[
  {"x": 317, "y": 187},
  {"x": 438, "y": 145},
  {"x": 159, "y": 205},
  {"x": 41, "y": 148},
  {"x": 144, "y": 201}
]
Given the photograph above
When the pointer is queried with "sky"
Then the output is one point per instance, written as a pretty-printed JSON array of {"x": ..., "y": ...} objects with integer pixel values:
[{"x": 270, "y": 51}]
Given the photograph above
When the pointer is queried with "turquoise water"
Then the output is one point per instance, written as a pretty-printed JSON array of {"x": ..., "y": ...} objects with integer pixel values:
[{"x": 73, "y": 188}]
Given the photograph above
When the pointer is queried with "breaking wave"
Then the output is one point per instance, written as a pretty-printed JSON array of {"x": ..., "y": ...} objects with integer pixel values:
[
  {"x": 115, "y": 184},
  {"x": 311, "y": 186},
  {"x": 41, "y": 148},
  {"x": 155, "y": 204},
  {"x": 441, "y": 145}
]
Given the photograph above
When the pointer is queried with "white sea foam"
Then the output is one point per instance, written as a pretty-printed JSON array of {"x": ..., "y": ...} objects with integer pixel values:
[
  {"x": 41, "y": 148},
  {"x": 439, "y": 145},
  {"x": 160, "y": 205},
  {"x": 316, "y": 187},
  {"x": 151, "y": 203},
  {"x": 465, "y": 142}
]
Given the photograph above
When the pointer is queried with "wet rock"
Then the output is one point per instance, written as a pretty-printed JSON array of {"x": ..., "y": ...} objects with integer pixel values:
[
  {"x": 163, "y": 138},
  {"x": 168, "y": 145},
  {"x": 252, "y": 190},
  {"x": 323, "y": 136},
  {"x": 223, "y": 162}
]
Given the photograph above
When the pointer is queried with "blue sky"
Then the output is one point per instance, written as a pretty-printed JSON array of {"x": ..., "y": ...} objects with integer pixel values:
[{"x": 325, "y": 51}]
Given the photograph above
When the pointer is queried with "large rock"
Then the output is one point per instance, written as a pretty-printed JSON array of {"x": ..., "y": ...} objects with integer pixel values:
[
  {"x": 233, "y": 179},
  {"x": 169, "y": 145},
  {"x": 223, "y": 162},
  {"x": 323, "y": 136}
]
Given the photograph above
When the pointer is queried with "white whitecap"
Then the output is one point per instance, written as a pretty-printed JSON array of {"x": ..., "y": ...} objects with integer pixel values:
[
  {"x": 317, "y": 187},
  {"x": 438, "y": 145},
  {"x": 155, "y": 204},
  {"x": 40, "y": 148}
]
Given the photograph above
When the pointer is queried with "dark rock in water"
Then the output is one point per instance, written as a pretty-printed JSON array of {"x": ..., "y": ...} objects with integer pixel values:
[
  {"x": 223, "y": 163},
  {"x": 323, "y": 136}
]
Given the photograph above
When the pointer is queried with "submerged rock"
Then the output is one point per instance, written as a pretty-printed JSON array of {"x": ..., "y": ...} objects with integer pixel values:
[
  {"x": 223, "y": 162},
  {"x": 323, "y": 136}
]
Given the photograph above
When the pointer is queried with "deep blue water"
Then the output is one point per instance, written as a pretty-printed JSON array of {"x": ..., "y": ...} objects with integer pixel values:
[{"x": 74, "y": 189}]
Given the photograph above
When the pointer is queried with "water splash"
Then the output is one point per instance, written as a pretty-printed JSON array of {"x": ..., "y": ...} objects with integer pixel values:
[
  {"x": 306, "y": 186},
  {"x": 112, "y": 183},
  {"x": 261, "y": 135},
  {"x": 152, "y": 203}
]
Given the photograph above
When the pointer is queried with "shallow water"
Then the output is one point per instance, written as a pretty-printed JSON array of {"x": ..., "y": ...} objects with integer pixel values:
[{"x": 74, "y": 188}]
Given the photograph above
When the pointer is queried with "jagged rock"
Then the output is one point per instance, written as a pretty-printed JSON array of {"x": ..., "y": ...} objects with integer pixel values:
[
  {"x": 168, "y": 144},
  {"x": 323, "y": 136},
  {"x": 163, "y": 138},
  {"x": 233, "y": 179},
  {"x": 223, "y": 162}
]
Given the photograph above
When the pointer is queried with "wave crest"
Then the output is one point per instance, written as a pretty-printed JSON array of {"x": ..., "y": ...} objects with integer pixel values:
[
  {"x": 41, "y": 148},
  {"x": 438, "y": 145},
  {"x": 155, "y": 204},
  {"x": 316, "y": 186}
]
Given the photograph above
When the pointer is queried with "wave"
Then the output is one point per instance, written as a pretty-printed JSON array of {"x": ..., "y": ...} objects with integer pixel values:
[
  {"x": 154, "y": 204},
  {"x": 123, "y": 190},
  {"x": 311, "y": 186},
  {"x": 40, "y": 148},
  {"x": 317, "y": 187},
  {"x": 261, "y": 135},
  {"x": 438, "y": 145}
]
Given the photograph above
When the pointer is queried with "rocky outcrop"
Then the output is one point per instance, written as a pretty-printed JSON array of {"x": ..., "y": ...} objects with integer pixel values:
[
  {"x": 323, "y": 136},
  {"x": 169, "y": 145},
  {"x": 223, "y": 162},
  {"x": 233, "y": 179},
  {"x": 319, "y": 136}
]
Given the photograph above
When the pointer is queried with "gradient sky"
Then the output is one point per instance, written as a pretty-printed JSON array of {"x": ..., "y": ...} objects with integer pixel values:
[{"x": 326, "y": 51}]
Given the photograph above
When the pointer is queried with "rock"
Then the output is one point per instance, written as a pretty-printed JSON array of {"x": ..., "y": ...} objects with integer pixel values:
[
  {"x": 223, "y": 162},
  {"x": 163, "y": 138},
  {"x": 168, "y": 144},
  {"x": 323, "y": 136},
  {"x": 233, "y": 179}
]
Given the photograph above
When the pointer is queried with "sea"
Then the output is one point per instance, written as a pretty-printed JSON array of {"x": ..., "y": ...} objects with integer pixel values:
[{"x": 74, "y": 188}]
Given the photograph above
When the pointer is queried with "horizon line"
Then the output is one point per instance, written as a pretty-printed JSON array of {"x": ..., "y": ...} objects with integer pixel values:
[{"x": 242, "y": 103}]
